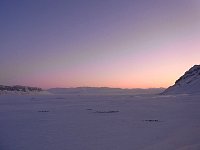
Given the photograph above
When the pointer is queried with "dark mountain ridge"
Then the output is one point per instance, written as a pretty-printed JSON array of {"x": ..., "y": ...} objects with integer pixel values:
[
  {"x": 20, "y": 88},
  {"x": 189, "y": 83}
]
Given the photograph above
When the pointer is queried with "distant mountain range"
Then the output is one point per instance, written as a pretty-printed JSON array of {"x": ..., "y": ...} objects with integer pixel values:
[
  {"x": 18, "y": 89},
  {"x": 189, "y": 83},
  {"x": 104, "y": 90}
]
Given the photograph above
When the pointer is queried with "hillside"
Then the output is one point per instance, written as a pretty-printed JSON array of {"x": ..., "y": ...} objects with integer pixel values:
[
  {"x": 189, "y": 83},
  {"x": 18, "y": 89}
]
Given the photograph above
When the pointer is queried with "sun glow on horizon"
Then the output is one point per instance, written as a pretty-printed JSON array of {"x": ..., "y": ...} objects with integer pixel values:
[{"x": 125, "y": 44}]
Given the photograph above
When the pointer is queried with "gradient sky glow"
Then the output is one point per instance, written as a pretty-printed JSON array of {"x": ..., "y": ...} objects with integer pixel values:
[{"x": 113, "y": 43}]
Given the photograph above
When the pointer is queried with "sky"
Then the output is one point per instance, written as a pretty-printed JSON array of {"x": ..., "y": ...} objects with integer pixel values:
[{"x": 98, "y": 43}]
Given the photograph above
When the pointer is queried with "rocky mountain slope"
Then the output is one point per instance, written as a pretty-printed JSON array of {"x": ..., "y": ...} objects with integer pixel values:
[
  {"x": 189, "y": 83},
  {"x": 18, "y": 89}
]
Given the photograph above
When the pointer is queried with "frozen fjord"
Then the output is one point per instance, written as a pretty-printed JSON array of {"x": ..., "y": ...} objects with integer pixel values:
[{"x": 99, "y": 122}]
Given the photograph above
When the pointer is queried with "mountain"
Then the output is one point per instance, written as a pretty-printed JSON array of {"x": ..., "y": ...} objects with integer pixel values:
[
  {"x": 189, "y": 83},
  {"x": 18, "y": 89},
  {"x": 104, "y": 91}
]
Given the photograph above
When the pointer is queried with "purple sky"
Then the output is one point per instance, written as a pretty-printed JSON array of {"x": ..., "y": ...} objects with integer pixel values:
[{"x": 115, "y": 43}]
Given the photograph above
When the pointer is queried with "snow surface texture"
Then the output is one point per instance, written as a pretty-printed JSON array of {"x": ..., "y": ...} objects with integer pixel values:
[
  {"x": 103, "y": 122},
  {"x": 5, "y": 92},
  {"x": 188, "y": 83}
]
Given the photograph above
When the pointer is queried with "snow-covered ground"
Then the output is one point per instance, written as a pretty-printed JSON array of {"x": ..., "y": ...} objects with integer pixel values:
[{"x": 99, "y": 122}]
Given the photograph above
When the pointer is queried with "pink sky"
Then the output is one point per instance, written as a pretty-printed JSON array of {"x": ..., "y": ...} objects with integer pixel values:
[{"x": 127, "y": 44}]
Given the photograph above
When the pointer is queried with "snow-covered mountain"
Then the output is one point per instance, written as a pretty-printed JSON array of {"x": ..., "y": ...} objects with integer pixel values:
[
  {"x": 189, "y": 83},
  {"x": 18, "y": 89}
]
